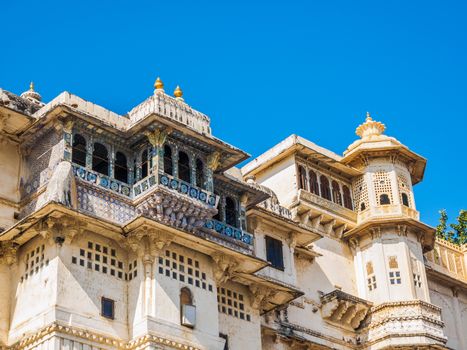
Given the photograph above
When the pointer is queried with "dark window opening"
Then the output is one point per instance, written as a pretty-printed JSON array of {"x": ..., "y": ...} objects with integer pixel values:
[
  {"x": 384, "y": 199},
  {"x": 168, "y": 164},
  {"x": 144, "y": 164},
  {"x": 347, "y": 198},
  {"x": 218, "y": 215},
  {"x": 78, "y": 155},
  {"x": 313, "y": 180},
  {"x": 274, "y": 252},
  {"x": 362, "y": 206},
  {"x": 336, "y": 193},
  {"x": 230, "y": 212},
  {"x": 405, "y": 199},
  {"x": 226, "y": 337},
  {"x": 184, "y": 167},
  {"x": 302, "y": 178},
  {"x": 108, "y": 308},
  {"x": 121, "y": 167},
  {"x": 100, "y": 159},
  {"x": 200, "y": 174},
  {"x": 325, "y": 190}
]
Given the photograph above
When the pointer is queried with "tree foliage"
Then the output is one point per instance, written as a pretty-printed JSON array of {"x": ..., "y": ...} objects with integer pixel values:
[{"x": 457, "y": 232}]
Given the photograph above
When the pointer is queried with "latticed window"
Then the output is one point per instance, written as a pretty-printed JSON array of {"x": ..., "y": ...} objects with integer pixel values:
[
  {"x": 79, "y": 150},
  {"x": 325, "y": 189},
  {"x": 100, "y": 159},
  {"x": 361, "y": 194},
  {"x": 404, "y": 190},
  {"x": 394, "y": 272},
  {"x": 336, "y": 193},
  {"x": 347, "y": 198},
  {"x": 302, "y": 177},
  {"x": 383, "y": 189},
  {"x": 405, "y": 199},
  {"x": 313, "y": 182},
  {"x": 384, "y": 199}
]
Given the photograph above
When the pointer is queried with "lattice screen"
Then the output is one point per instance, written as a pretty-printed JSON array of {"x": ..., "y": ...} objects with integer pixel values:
[
  {"x": 360, "y": 192},
  {"x": 404, "y": 187},
  {"x": 382, "y": 184}
]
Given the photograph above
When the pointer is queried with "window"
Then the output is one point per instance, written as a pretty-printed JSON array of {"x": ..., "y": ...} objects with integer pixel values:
[
  {"x": 226, "y": 337},
  {"x": 121, "y": 168},
  {"x": 200, "y": 173},
  {"x": 313, "y": 182},
  {"x": 302, "y": 178},
  {"x": 218, "y": 215},
  {"x": 184, "y": 167},
  {"x": 362, "y": 206},
  {"x": 347, "y": 198},
  {"x": 78, "y": 155},
  {"x": 108, "y": 308},
  {"x": 417, "y": 280},
  {"x": 274, "y": 252},
  {"x": 325, "y": 190},
  {"x": 168, "y": 164},
  {"x": 336, "y": 193},
  {"x": 371, "y": 278},
  {"x": 187, "y": 309},
  {"x": 405, "y": 199},
  {"x": 100, "y": 159},
  {"x": 230, "y": 212},
  {"x": 384, "y": 199},
  {"x": 144, "y": 164},
  {"x": 395, "y": 277}
]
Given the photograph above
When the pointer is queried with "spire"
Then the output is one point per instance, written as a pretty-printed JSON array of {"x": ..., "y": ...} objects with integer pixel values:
[
  {"x": 31, "y": 94},
  {"x": 370, "y": 128},
  {"x": 158, "y": 85},
  {"x": 178, "y": 93}
]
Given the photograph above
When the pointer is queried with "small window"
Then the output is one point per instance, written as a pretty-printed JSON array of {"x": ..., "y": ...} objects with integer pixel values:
[
  {"x": 405, "y": 199},
  {"x": 384, "y": 199},
  {"x": 362, "y": 206},
  {"x": 121, "y": 168},
  {"x": 226, "y": 337},
  {"x": 200, "y": 174},
  {"x": 168, "y": 164},
  {"x": 184, "y": 167},
  {"x": 395, "y": 277},
  {"x": 302, "y": 177},
  {"x": 108, "y": 308},
  {"x": 347, "y": 198},
  {"x": 274, "y": 252},
  {"x": 187, "y": 309},
  {"x": 325, "y": 190},
  {"x": 100, "y": 159},
  {"x": 336, "y": 193},
  {"x": 230, "y": 212},
  {"x": 313, "y": 182},
  {"x": 144, "y": 164},
  {"x": 78, "y": 155}
]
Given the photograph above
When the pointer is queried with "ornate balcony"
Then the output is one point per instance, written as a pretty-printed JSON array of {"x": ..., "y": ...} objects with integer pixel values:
[
  {"x": 236, "y": 237},
  {"x": 390, "y": 210},
  {"x": 344, "y": 310}
]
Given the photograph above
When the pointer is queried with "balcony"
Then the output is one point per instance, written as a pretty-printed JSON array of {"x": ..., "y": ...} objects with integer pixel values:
[
  {"x": 343, "y": 309},
  {"x": 228, "y": 235},
  {"x": 448, "y": 258},
  {"x": 389, "y": 210}
]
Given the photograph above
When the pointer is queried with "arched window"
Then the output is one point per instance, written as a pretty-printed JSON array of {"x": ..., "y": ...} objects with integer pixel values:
[
  {"x": 336, "y": 193},
  {"x": 384, "y": 199},
  {"x": 186, "y": 299},
  {"x": 302, "y": 177},
  {"x": 362, "y": 206},
  {"x": 168, "y": 164},
  {"x": 405, "y": 199},
  {"x": 184, "y": 167},
  {"x": 144, "y": 164},
  {"x": 313, "y": 182},
  {"x": 218, "y": 216},
  {"x": 347, "y": 198},
  {"x": 78, "y": 155},
  {"x": 121, "y": 167},
  {"x": 199, "y": 173},
  {"x": 100, "y": 159},
  {"x": 230, "y": 212},
  {"x": 325, "y": 190}
]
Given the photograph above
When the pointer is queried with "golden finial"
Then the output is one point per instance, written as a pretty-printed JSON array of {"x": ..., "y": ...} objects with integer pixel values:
[
  {"x": 178, "y": 93},
  {"x": 158, "y": 85},
  {"x": 31, "y": 86},
  {"x": 368, "y": 116}
]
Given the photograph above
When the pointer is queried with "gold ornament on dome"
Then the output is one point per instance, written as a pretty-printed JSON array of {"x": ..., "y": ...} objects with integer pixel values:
[{"x": 370, "y": 127}]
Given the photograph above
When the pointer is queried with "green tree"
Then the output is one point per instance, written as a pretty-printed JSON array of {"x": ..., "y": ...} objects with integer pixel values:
[
  {"x": 460, "y": 228},
  {"x": 441, "y": 228}
]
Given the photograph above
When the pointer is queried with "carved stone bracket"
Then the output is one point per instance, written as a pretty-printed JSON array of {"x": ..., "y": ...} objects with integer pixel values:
[
  {"x": 214, "y": 160},
  {"x": 60, "y": 228},
  {"x": 157, "y": 240},
  {"x": 224, "y": 267},
  {"x": 157, "y": 137},
  {"x": 375, "y": 232},
  {"x": 261, "y": 295},
  {"x": 8, "y": 253}
]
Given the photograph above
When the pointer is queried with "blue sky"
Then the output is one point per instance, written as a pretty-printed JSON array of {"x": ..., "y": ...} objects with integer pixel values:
[{"x": 263, "y": 70}]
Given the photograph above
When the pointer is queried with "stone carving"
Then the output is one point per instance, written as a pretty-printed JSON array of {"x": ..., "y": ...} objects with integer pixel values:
[
  {"x": 214, "y": 161},
  {"x": 59, "y": 228},
  {"x": 62, "y": 187},
  {"x": 157, "y": 240},
  {"x": 8, "y": 253},
  {"x": 157, "y": 137},
  {"x": 224, "y": 267},
  {"x": 261, "y": 295}
]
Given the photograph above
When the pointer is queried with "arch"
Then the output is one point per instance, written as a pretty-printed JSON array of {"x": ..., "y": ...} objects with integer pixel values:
[
  {"x": 313, "y": 182},
  {"x": 230, "y": 212},
  {"x": 186, "y": 298},
  {"x": 405, "y": 199},
  {"x": 362, "y": 206},
  {"x": 200, "y": 181},
  {"x": 302, "y": 178},
  {"x": 121, "y": 167},
  {"x": 78, "y": 153},
  {"x": 168, "y": 163},
  {"x": 100, "y": 159},
  {"x": 184, "y": 167},
  {"x": 347, "y": 197},
  {"x": 218, "y": 215},
  {"x": 144, "y": 164},
  {"x": 384, "y": 199},
  {"x": 336, "y": 193},
  {"x": 325, "y": 190}
]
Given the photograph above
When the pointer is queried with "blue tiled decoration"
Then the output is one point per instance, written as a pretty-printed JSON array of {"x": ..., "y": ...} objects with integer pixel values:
[
  {"x": 187, "y": 189},
  {"x": 101, "y": 180},
  {"x": 229, "y": 231}
]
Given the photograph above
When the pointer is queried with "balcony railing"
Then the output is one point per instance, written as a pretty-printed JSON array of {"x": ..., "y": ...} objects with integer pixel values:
[
  {"x": 327, "y": 205},
  {"x": 388, "y": 210},
  {"x": 143, "y": 186},
  {"x": 448, "y": 258},
  {"x": 226, "y": 230}
]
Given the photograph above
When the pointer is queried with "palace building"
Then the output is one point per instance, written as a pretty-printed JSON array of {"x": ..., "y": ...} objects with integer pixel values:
[{"x": 141, "y": 231}]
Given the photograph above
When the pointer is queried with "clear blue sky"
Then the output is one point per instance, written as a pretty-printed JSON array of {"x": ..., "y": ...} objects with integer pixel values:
[{"x": 263, "y": 70}]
